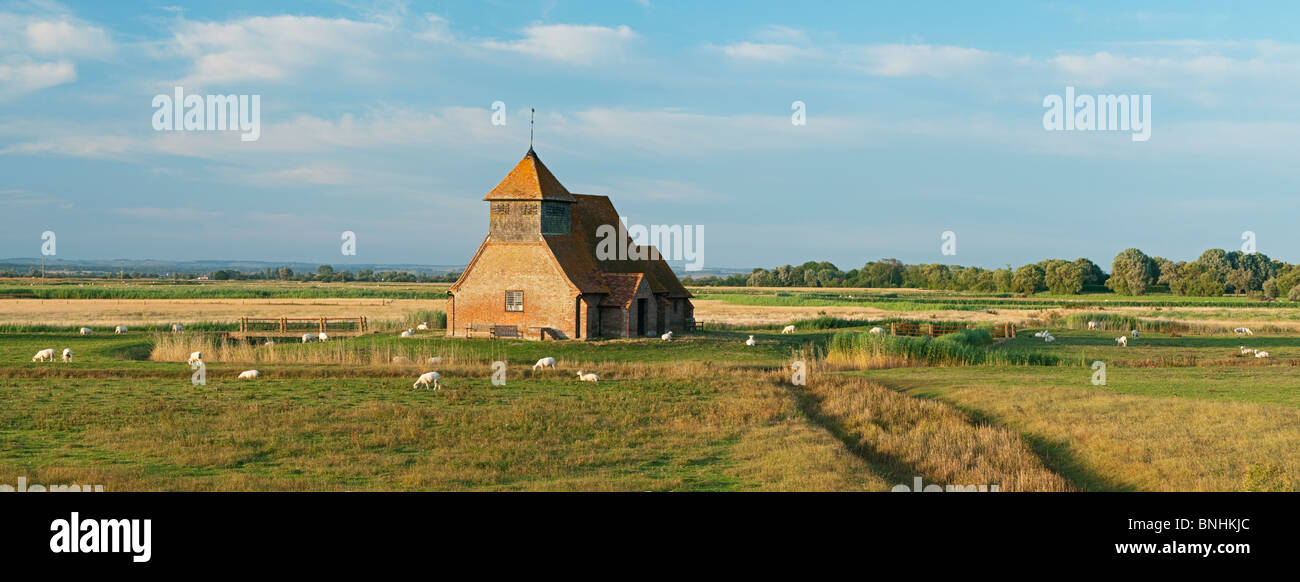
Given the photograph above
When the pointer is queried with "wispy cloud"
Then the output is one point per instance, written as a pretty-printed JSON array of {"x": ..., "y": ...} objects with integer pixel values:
[{"x": 573, "y": 44}]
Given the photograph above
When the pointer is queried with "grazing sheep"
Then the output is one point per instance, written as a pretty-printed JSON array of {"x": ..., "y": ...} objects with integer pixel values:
[
  {"x": 121, "y": 329},
  {"x": 1243, "y": 331},
  {"x": 426, "y": 379},
  {"x": 1122, "y": 341},
  {"x": 67, "y": 354},
  {"x": 249, "y": 375},
  {"x": 1261, "y": 354},
  {"x": 86, "y": 331},
  {"x": 1093, "y": 325},
  {"x": 588, "y": 377},
  {"x": 435, "y": 360},
  {"x": 308, "y": 338},
  {"x": 408, "y": 333},
  {"x": 877, "y": 330},
  {"x": 750, "y": 341},
  {"x": 544, "y": 363},
  {"x": 423, "y": 326},
  {"x": 1245, "y": 350},
  {"x": 401, "y": 360},
  {"x": 45, "y": 355},
  {"x": 1049, "y": 338},
  {"x": 1043, "y": 333},
  {"x": 195, "y": 357},
  {"x": 667, "y": 337},
  {"x": 269, "y": 343},
  {"x": 1135, "y": 334},
  {"x": 324, "y": 337},
  {"x": 178, "y": 327},
  {"x": 787, "y": 329}
]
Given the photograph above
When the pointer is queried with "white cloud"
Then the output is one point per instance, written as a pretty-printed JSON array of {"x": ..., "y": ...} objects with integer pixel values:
[
  {"x": 37, "y": 48},
  {"x": 318, "y": 174},
  {"x": 437, "y": 29},
  {"x": 913, "y": 60},
  {"x": 61, "y": 37},
  {"x": 21, "y": 75},
  {"x": 583, "y": 45},
  {"x": 767, "y": 52}
]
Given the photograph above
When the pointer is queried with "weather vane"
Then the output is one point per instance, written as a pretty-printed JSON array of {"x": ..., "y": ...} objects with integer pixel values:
[{"x": 531, "y": 112}]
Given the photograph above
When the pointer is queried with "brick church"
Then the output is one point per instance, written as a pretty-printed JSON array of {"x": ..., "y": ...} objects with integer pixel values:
[{"x": 537, "y": 274}]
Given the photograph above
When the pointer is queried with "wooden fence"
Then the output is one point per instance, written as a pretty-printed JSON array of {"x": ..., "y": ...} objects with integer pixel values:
[
  {"x": 915, "y": 329},
  {"x": 294, "y": 326}
]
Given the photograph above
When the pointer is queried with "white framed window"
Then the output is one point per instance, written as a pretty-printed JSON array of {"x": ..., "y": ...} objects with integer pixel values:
[{"x": 514, "y": 300}]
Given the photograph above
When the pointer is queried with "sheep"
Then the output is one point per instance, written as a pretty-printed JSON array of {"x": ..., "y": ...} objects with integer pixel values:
[
  {"x": 408, "y": 333},
  {"x": 195, "y": 357},
  {"x": 750, "y": 341},
  {"x": 67, "y": 354},
  {"x": 1261, "y": 354},
  {"x": 877, "y": 330},
  {"x": 45, "y": 355},
  {"x": 86, "y": 331},
  {"x": 119, "y": 330},
  {"x": 1043, "y": 333},
  {"x": 324, "y": 337},
  {"x": 667, "y": 336},
  {"x": 426, "y": 379},
  {"x": 435, "y": 360},
  {"x": 1122, "y": 341},
  {"x": 1243, "y": 331},
  {"x": 1049, "y": 338},
  {"x": 1093, "y": 325},
  {"x": 544, "y": 363},
  {"x": 249, "y": 375},
  {"x": 176, "y": 327},
  {"x": 269, "y": 343},
  {"x": 308, "y": 338},
  {"x": 1135, "y": 334},
  {"x": 423, "y": 326},
  {"x": 787, "y": 329},
  {"x": 401, "y": 360},
  {"x": 1245, "y": 350},
  {"x": 588, "y": 377}
]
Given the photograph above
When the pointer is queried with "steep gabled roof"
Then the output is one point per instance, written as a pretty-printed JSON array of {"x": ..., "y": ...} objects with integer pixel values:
[
  {"x": 622, "y": 288},
  {"x": 530, "y": 180},
  {"x": 588, "y": 214}
]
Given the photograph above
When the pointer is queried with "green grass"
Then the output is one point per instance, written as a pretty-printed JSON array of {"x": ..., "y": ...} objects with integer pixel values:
[{"x": 164, "y": 289}]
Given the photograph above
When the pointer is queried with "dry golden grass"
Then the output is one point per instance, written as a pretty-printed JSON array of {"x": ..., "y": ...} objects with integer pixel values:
[{"x": 165, "y": 311}]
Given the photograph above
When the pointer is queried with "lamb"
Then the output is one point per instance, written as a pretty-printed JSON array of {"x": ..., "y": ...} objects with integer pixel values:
[
  {"x": 86, "y": 331},
  {"x": 787, "y": 329},
  {"x": 67, "y": 354},
  {"x": 435, "y": 360},
  {"x": 195, "y": 357},
  {"x": 249, "y": 375},
  {"x": 588, "y": 377},
  {"x": 178, "y": 327},
  {"x": 877, "y": 330},
  {"x": 408, "y": 333},
  {"x": 324, "y": 337},
  {"x": 544, "y": 363},
  {"x": 121, "y": 329},
  {"x": 1243, "y": 331},
  {"x": 308, "y": 338},
  {"x": 667, "y": 337},
  {"x": 45, "y": 355},
  {"x": 1122, "y": 341},
  {"x": 423, "y": 326},
  {"x": 426, "y": 379},
  {"x": 1093, "y": 325},
  {"x": 750, "y": 341},
  {"x": 1261, "y": 354}
]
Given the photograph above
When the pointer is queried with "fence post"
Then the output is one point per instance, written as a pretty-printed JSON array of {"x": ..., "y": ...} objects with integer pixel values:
[{"x": 892, "y": 331}]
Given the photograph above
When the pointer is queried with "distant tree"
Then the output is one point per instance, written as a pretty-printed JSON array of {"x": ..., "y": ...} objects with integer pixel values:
[
  {"x": 1132, "y": 272},
  {"x": 1269, "y": 287},
  {"x": 1027, "y": 280},
  {"x": 1063, "y": 278},
  {"x": 1002, "y": 279},
  {"x": 1216, "y": 263},
  {"x": 324, "y": 272},
  {"x": 1294, "y": 294},
  {"x": 1092, "y": 274},
  {"x": 1239, "y": 280}
]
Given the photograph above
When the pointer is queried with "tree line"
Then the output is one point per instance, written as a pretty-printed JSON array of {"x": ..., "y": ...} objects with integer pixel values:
[{"x": 1215, "y": 272}]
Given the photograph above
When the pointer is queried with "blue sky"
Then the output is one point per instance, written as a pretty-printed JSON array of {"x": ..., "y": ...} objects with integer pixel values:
[{"x": 921, "y": 118}]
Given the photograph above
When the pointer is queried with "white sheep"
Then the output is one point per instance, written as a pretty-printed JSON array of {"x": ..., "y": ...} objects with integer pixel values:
[
  {"x": 269, "y": 343},
  {"x": 667, "y": 337},
  {"x": 1049, "y": 338},
  {"x": 435, "y": 360},
  {"x": 423, "y": 326},
  {"x": 588, "y": 377},
  {"x": 1043, "y": 333},
  {"x": 195, "y": 357},
  {"x": 750, "y": 341},
  {"x": 86, "y": 331},
  {"x": 401, "y": 360},
  {"x": 1261, "y": 354},
  {"x": 544, "y": 363},
  {"x": 1122, "y": 341},
  {"x": 787, "y": 329},
  {"x": 178, "y": 327},
  {"x": 324, "y": 337},
  {"x": 408, "y": 333},
  {"x": 426, "y": 379},
  {"x": 1135, "y": 334},
  {"x": 67, "y": 354},
  {"x": 45, "y": 355},
  {"x": 249, "y": 375},
  {"x": 308, "y": 338},
  {"x": 1244, "y": 331},
  {"x": 121, "y": 329},
  {"x": 1093, "y": 325},
  {"x": 877, "y": 330}
]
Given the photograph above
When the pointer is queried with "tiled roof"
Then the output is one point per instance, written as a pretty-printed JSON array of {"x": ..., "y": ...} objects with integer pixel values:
[
  {"x": 530, "y": 180},
  {"x": 622, "y": 288}
]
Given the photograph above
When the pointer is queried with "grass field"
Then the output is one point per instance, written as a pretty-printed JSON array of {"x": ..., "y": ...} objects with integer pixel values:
[{"x": 703, "y": 412}]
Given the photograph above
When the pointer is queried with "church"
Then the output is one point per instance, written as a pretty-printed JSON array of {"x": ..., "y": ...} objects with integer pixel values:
[{"x": 537, "y": 274}]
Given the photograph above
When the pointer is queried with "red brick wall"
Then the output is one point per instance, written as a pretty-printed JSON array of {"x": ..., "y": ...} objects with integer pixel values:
[{"x": 549, "y": 301}]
